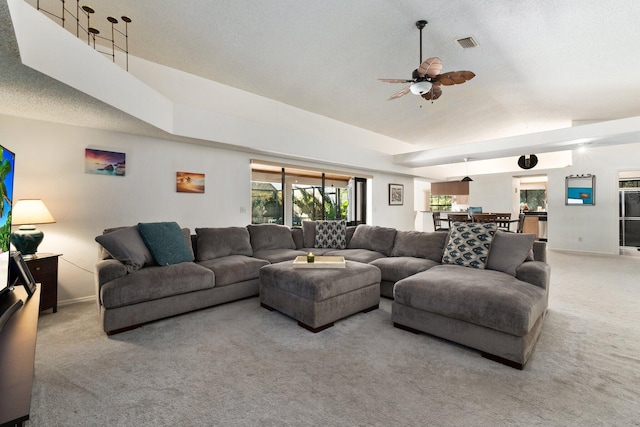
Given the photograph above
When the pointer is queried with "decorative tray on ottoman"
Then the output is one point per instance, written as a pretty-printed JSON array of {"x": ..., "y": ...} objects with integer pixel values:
[{"x": 320, "y": 262}]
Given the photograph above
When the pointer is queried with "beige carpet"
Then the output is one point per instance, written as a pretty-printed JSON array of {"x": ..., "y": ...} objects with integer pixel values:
[{"x": 241, "y": 365}]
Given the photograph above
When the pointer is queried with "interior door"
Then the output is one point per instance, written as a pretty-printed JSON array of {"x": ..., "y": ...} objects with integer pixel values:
[{"x": 630, "y": 217}]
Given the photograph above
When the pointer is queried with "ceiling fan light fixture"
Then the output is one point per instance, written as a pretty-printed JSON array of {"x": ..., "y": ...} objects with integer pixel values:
[{"x": 420, "y": 88}]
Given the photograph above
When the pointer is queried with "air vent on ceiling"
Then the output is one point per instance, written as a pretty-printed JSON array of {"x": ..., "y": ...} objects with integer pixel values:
[{"x": 467, "y": 42}]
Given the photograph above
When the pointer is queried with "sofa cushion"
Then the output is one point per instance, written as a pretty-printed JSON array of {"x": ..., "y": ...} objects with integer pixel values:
[
  {"x": 509, "y": 250},
  {"x": 278, "y": 255},
  {"x": 373, "y": 238},
  {"x": 484, "y": 297},
  {"x": 234, "y": 268},
  {"x": 166, "y": 241},
  {"x": 270, "y": 236},
  {"x": 420, "y": 244},
  {"x": 309, "y": 233},
  {"x": 364, "y": 256},
  {"x": 331, "y": 234},
  {"x": 469, "y": 244},
  {"x": 126, "y": 245},
  {"x": 397, "y": 268},
  {"x": 155, "y": 282},
  {"x": 298, "y": 237},
  {"x": 220, "y": 242}
]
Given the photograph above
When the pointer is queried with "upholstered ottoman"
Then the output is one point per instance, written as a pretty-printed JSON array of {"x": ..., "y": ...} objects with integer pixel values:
[{"x": 316, "y": 298}]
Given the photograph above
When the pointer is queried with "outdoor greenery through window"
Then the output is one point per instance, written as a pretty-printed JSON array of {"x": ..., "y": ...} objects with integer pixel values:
[
  {"x": 266, "y": 202},
  {"x": 306, "y": 202},
  {"x": 531, "y": 199},
  {"x": 631, "y": 183},
  {"x": 440, "y": 203},
  {"x": 304, "y": 196}
]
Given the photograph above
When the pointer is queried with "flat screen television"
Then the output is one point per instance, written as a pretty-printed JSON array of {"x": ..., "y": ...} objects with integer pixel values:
[{"x": 7, "y": 166}]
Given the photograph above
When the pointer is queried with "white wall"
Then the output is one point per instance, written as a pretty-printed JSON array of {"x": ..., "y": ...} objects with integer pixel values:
[
  {"x": 571, "y": 228},
  {"x": 590, "y": 228},
  {"x": 494, "y": 193},
  {"x": 50, "y": 165}
]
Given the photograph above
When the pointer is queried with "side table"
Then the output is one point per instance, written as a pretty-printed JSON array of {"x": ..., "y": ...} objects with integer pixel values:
[{"x": 44, "y": 269}]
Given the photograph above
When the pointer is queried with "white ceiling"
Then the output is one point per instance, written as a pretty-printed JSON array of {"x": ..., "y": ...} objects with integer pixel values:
[{"x": 540, "y": 65}]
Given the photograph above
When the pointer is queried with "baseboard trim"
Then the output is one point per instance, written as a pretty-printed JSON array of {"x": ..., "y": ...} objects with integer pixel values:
[{"x": 77, "y": 300}]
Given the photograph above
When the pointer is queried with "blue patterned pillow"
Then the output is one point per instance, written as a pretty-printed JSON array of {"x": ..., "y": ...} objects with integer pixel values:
[
  {"x": 469, "y": 244},
  {"x": 331, "y": 234},
  {"x": 166, "y": 242}
]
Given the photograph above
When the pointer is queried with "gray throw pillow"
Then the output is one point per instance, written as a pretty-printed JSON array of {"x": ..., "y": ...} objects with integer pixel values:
[
  {"x": 270, "y": 236},
  {"x": 373, "y": 238},
  {"x": 126, "y": 245},
  {"x": 220, "y": 242},
  {"x": 509, "y": 250},
  {"x": 309, "y": 233},
  {"x": 166, "y": 242},
  {"x": 419, "y": 244},
  {"x": 469, "y": 244},
  {"x": 331, "y": 234}
]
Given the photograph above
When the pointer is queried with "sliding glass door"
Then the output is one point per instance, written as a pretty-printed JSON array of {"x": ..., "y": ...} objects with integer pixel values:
[
  {"x": 630, "y": 217},
  {"x": 290, "y": 195}
]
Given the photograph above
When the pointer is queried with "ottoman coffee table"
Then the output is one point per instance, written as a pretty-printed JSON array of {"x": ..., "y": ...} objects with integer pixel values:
[{"x": 318, "y": 297}]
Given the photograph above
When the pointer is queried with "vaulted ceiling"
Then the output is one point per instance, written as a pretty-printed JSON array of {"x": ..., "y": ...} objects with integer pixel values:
[{"x": 540, "y": 65}]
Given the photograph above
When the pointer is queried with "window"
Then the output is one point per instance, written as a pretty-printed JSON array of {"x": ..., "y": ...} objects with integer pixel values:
[
  {"x": 266, "y": 202},
  {"x": 307, "y": 195},
  {"x": 531, "y": 199},
  {"x": 630, "y": 183},
  {"x": 441, "y": 203}
]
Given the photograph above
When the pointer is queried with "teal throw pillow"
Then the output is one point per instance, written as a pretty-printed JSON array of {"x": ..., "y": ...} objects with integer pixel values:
[{"x": 166, "y": 242}]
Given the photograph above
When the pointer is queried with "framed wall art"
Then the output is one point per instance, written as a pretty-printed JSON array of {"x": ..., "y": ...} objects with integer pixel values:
[
  {"x": 189, "y": 182},
  {"x": 396, "y": 194},
  {"x": 19, "y": 270},
  {"x": 104, "y": 162},
  {"x": 580, "y": 190}
]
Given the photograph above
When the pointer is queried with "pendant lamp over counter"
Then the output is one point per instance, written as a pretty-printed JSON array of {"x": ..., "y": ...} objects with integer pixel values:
[{"x": 466, "y": 178}]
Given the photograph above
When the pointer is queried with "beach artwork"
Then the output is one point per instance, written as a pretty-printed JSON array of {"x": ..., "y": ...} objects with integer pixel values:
[
  {"x": 188, "y": 182},
  {"x": 104, "y": 162}
]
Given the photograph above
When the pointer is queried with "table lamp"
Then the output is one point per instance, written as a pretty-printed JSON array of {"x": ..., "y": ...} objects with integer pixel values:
[{"x": 26, "y": 213}]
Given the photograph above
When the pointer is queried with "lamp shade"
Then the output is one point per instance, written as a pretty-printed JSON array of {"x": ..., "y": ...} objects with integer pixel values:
[{"x": 30, "y": 211}]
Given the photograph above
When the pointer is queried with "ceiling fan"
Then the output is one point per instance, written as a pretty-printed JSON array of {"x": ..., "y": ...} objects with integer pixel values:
[{"x": 426, "y": 79}]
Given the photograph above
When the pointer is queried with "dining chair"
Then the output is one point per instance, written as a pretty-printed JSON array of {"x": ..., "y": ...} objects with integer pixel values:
[
  {"x": 437, "y": 222},
  {"x": 457, "y": 218},
  {"x": 520, "y": 223},
  {"x": 484, "y": 217},
  {"x": 504, "y": 221}
]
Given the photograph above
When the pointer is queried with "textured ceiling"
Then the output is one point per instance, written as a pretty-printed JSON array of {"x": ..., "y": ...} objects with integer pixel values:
[{"x": 539, "y": 65}]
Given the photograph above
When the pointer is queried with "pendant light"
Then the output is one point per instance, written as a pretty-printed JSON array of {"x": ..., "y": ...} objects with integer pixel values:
[{"x": 466, "y": 178}]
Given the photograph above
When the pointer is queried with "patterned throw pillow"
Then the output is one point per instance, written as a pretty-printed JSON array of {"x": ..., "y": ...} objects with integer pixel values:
[
  {"x": 469, "y": 244},
  {"x": 331, "y": 234}
]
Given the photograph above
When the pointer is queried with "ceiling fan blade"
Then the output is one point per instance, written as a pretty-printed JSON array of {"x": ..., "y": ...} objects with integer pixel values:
[
  {"x": 430, "y": 67},
  {"x": 445, "y": 79},
  {"x": 396, "y": 80},
  {"x": 468, "y": 75},
  {"x": 454, "y": 77},
  {"x": 399, "y": 93},
  {"x": 433, "y": 94}
]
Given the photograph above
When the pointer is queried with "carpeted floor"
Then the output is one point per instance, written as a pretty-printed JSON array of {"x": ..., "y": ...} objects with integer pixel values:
[{"x": 241, "y": 365}]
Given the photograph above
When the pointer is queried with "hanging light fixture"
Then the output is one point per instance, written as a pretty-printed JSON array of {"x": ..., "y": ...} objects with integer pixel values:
[{"x": 466, "y": 178}]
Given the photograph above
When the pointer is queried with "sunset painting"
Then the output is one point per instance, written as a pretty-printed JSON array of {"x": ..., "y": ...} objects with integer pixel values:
[
  {"x": 188, "y": 182},
  {"x": 104, "y": 162}
]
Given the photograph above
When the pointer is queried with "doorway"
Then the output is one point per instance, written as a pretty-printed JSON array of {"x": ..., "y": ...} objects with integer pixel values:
[{"x": 629, "y": 212}]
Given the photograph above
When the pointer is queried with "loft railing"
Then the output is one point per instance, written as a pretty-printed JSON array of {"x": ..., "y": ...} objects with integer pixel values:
[{"x": 92, "y": 33}]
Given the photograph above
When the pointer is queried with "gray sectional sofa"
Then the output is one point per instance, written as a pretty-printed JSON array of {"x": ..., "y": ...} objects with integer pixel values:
[{"x": 498, "y": 309}]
